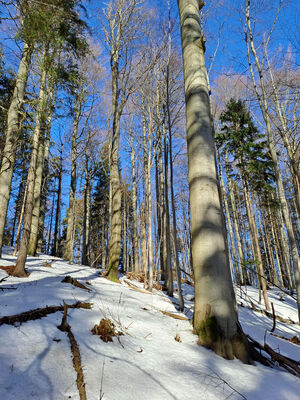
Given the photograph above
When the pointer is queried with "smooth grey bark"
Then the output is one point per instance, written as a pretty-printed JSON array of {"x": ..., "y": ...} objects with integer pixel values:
[
  {"x": 215, "y": 315},
  {"x": 11, "y": 136}
]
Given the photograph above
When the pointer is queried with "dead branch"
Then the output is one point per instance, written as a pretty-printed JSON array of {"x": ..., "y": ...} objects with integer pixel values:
[
  {"x": 175, "y": 316},
  {"x": 65, "y": 327},
  {"x": 74, "y": 282},
  {"x": 290, "y": 365},
  {"x": 132, "y": 286},
  {"x": 39, "y": 313}
]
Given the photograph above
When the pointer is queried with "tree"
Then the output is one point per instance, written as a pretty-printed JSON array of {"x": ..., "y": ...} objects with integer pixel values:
[
  {"x": 68, "y": 27},
  {"x": 215, "y": 316},
  {"x": 248, "y": 150}
]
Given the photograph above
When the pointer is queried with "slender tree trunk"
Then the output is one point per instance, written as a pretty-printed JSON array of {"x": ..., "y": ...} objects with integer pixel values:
[
  {"x": 86, "y": 219},
  {"x": 68, "y": 251},
  {"x": 143, "y": 239},
  {"x": 11, "y": 136},
  {"x": 256, "y": 248},
  {"x": 56, "y": 238},
  {"x": 167, "y": 229},
  {"x": 177, "y": 266},
  {"x": 19, "y": 269},
  {"x": 262, "y": 99},
  {"x": 239, "y": 276},
  {"x": 136, "y": 266},
  {"x": 215, "y": 316},
  {"x": 18, "y": 235},
  {"x": 37, "y": 199}
]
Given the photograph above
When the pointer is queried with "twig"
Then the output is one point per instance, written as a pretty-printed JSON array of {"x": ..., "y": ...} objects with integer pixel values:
[
  {"x": 274, "y": 319},
  {"x": 101, "y": 385}
]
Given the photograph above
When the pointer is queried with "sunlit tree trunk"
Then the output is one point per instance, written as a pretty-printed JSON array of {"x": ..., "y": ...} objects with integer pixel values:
[
  {"x": 68, "y": 250},
  {"x": 19, "y": 269},
  {"x": 262, "y": 99},
  {"x": 11, "y": 136},
  {"x": 215, "y": 315}
]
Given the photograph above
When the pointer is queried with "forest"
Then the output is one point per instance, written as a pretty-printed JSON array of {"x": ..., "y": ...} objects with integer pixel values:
[{"x": 154, "y": 145}]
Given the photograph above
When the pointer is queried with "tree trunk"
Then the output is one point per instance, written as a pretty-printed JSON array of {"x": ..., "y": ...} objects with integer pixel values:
[
  {"x": 36, "y": 199},
  {"x": 116, "y": 197},
  {"x": 256, "y": 248},
  {"x": 11, "y": 136},
  {"x": 263, "y": 103},
  {"x": 167, "y": 229},
  {"x": 68, "y": 251},
  {"x": 215, "y": 316},
  {"x": 136, "y": 266},
  {"x": 178, "y": 272},
  {"x": 19, "y": 269},
  {"x": 56, "y": 238}
]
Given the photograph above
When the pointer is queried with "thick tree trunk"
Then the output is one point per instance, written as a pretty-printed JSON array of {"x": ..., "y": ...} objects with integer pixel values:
[
  {"x": 215, "y": 316},
  {"x": 19, "y": 269},
  {"x": 116, "y": 197},
  {"x": 11, "y": 136}
]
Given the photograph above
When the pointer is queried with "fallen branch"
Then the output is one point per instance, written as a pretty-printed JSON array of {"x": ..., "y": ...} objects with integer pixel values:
[
  {"x": 290, "y": 365},
  {"x": 134, "y": 287},
  {"x": 175, "y": 316},
  {"x": 65, "y": 327},
  {"x": 293, "y": 339},
  {"x": 39, "y": 313},
  {"x": 74, "y": 282},
  {"x": 274, "y": 318}
]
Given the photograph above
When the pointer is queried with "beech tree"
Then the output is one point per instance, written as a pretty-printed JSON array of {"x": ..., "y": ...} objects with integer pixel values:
[{"x": 215, "y": 316}]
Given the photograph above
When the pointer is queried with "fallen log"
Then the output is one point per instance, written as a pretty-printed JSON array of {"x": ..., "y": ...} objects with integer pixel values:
[
  {"x": 65, "y": 327},
  {"x": 74, "y": 282},
  {"x": 290, "y": 365},
  {"x": 39, "y": 313}
]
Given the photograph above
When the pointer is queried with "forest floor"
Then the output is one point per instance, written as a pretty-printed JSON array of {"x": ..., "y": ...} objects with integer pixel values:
[{"x": 146, "y": 362}]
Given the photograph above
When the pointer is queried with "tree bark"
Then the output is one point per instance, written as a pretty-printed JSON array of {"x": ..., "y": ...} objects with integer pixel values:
[
  {"x": 68, "y": 251},
  {"x": 19, "y": 269},
  {"x": 263, "y": 103},
  {"x": 215, "y": 316},
  {"x": 11, "y": 136}
]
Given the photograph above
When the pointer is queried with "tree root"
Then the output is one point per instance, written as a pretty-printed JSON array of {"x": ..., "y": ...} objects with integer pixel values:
[
  {"x": 39, "y": 313},
  {"x": 290, "y": 365},
  {"x": 72, "y": 281},
  {"x": 65, "y": 327}
]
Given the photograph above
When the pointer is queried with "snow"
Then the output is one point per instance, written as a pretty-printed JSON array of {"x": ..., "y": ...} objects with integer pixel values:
[{"x": 148, "y": 363}]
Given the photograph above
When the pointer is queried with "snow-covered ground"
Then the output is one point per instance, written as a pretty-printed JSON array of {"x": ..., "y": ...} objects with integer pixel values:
[{"x": 148, "y": 363}]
